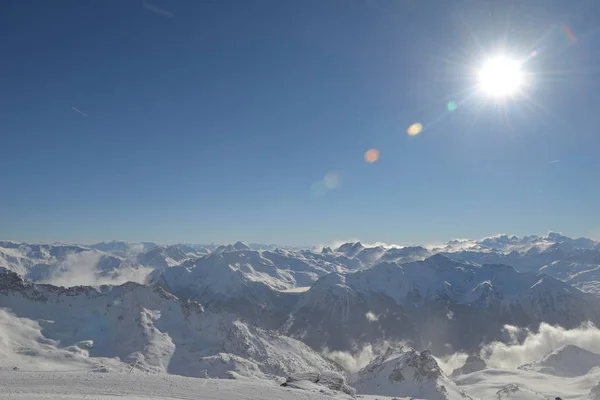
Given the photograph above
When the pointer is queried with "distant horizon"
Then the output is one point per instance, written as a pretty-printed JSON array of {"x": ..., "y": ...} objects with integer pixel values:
[{"x": 332, "y": 244}]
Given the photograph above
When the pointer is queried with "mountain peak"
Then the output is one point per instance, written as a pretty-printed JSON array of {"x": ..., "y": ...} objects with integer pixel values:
[
  {"x": 241, "y": 246},
  {"x": 473, "y": 363},
  {"x": 440, "y": 262},
  {"x": 557, "y": 237},
  {"x": 405, "y": 372}
]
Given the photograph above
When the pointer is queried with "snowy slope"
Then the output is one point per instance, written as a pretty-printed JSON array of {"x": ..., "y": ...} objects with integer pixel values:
[
  {"x": 145, "y": 324},
  {"x": 407, "y": 373},
  {"x": 567, "y": 361},
  {"x": 138, "y": 386},
  {"x": 24, "y": 346},
  {"x": 526, "y": 385}
]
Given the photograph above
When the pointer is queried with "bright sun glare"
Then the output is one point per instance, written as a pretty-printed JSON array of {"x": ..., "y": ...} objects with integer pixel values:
[{"x": 500, "y": 76}]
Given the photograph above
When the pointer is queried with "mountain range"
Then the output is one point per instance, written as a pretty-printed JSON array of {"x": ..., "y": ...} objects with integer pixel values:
[
  {"x": 153, "y": 329},
  {"x": 237, "y": 310},
  {"x": 445, "y": 298}
]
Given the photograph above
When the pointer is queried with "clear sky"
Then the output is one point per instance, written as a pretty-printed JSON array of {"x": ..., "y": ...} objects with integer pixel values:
[{"x": 200, "y": 121}]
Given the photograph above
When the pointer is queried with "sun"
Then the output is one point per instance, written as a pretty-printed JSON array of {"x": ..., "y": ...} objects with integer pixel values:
[{"x": 500, "y": 76}]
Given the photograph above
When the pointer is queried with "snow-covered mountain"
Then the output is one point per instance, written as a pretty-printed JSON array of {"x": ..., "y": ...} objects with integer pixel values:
[
  {"x": 405, "y": 372},
  {"x": 369, "y": 256},
  {"x": 120, "y": 248},
  {"x": 257, "y": 302},
  {"x": 434, "y": 302},
  {"x": 568, "y": 361},
  {"x": 70, "y": 265},
  {"x": 575, "y": 261},
  {"x": 251, "y": 283},
  {"x": 473, "y": 363},
  {"x": 147, "y": 325},
  {"x": 441, "y": 298},
  {"x": 162, "y": 256},
  {"x": 20, "y": 257}
]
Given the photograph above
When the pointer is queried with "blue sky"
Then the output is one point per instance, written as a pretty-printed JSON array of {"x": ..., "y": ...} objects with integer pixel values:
[{"x": 200, "y": 121}]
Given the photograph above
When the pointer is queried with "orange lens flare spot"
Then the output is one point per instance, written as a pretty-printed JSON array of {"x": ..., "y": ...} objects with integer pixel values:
[{"x": 372, "y": 155}]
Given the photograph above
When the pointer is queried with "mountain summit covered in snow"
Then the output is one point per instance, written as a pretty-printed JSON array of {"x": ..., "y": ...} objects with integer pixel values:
[{"x": 407, "y": 373}]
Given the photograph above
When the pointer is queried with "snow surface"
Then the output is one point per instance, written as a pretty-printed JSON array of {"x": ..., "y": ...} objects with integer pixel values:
[
  {"x": 567, "y": 361},
  {"x": 20, "y": 385},
  {"x": 488, "y": 384},
  {"x": 520, "y": 384}
]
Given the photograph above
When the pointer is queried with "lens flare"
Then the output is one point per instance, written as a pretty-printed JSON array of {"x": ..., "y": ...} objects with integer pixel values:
[
  {"x": 414, "y": 129},
  {"x": 451, "y": 106},
  {"x": 569, "y": 34},
  {"x": 372, "y": 155},
  {"x": 331, "y": 180}
]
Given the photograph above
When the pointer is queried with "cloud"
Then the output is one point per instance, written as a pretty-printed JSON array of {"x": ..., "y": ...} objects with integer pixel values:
[
  {"x": 515, "y": 333},
  {"x": 371, "y": 317},
  {"x": 352, "y": 362},
  {"x": 554, "y": 161},
  {"x": 536, "y": 345},
  {"x": 135, "y": 248},
  {"x": 451, "y": 362},
  {"x": 157, "y": 10},
  {"x": 83, "y": 269}
]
